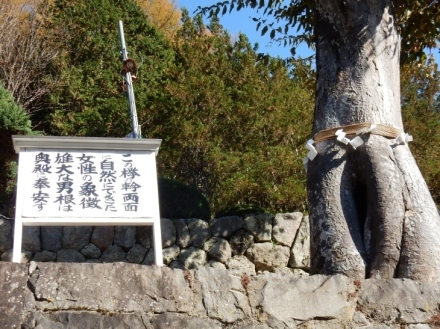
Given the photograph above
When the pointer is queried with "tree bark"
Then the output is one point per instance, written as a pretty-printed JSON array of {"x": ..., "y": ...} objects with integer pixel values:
[{"x": 371, "y": 213}]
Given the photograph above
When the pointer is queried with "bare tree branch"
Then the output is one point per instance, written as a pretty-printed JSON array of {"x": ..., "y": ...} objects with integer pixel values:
[{"x": 25, "y": 53}]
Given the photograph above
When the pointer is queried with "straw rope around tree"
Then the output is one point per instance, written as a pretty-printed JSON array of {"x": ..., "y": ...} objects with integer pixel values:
[{"x": 357, "y": 129}]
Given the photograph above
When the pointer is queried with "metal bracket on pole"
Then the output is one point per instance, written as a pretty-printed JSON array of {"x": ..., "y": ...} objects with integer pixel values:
[{"x": 136, "y": 131}]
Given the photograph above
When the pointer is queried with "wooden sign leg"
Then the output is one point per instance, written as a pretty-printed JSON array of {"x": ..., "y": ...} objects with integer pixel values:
[
  {"x": 157, "y": 236},
  {"x": 18, "y": 235}
]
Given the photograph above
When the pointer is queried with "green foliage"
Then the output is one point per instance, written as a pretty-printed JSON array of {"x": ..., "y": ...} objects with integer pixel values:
[
  {"x": 230, "y": 127},
  {"x": 239, "y": 210},
  {"x": 88, "y": 101},
  {"x": 13, "y": 120},
  {"x": 419, "y": 23},
  {"x": 177, "y": 200},
  {"x": 421, "y": 113},
  {"x": 234, "y": 126}
]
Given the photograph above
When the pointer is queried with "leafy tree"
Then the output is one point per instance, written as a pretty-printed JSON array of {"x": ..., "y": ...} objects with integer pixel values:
[
  {"x": 191, "y": 102},
  {"x": 420, "y": 84},
  {"x": 230, "y": 127},
  {"x": 13, "y": 120},
  {"x": 163, "y": 14},
  {"x": 371, "y": 211},
  {"x": 88, "y": 100},
  {"x": 417, "y": 21}
]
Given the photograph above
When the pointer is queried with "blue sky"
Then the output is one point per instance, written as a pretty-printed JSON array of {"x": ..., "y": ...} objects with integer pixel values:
[{"x": 241, "y": 21}]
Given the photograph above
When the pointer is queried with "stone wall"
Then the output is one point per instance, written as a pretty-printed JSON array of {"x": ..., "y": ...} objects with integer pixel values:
[
  {"x": 122, "y": 295},
  {"x": 232, "y": 272},
  {"x": 246, "y": 245}
]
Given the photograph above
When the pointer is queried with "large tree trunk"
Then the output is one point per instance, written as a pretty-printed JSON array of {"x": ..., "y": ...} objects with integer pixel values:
[{"x": 371, "y": 212}]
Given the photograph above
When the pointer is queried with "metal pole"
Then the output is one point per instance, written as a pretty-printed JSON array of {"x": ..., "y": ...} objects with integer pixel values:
[{"x": 130, "y": 92}]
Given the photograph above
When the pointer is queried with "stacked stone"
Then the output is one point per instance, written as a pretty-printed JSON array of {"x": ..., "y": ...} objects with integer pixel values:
[
  {"x": 100, "y": 244},
  {"x": 255, "y": 243},
  {"x": 243, "y": 245}
]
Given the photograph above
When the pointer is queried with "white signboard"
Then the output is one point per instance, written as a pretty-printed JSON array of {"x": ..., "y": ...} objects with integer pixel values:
[{"x": 86, "y": 181}]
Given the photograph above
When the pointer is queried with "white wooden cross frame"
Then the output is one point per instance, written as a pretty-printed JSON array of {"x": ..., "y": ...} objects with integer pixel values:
[{"x": 77, "y": 181}]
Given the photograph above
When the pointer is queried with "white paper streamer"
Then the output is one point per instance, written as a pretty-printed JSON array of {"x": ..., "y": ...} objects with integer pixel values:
[
  {"x": 404, "y": 138},
  {"x": 305, "y": 163},
  {"x": 356, "y": 142},
  {"x": 341, "y": 137},
  {"x": 312, "y": 151}
]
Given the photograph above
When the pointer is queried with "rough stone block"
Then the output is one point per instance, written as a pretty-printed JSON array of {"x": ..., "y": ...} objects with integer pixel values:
[
  {"x": 169, "y": 254},
  {"x": 102, "y": 236},
  {"x": 218, "y": 249},
  {"x": 150, "y": 258},
  {"x": 136, "y": 254},
  {"x": 285, "y": 227},
  {"x": 216, "y": 265},
  {"x": 125, "y": 236},
  {"x": 192, "y": 257},
  {"x": 225, "y": 226},
  {"x": 70, "y": 256},
  {"x": 405, "y": 300},
  {"x": 260, "y": 226},
  {"x": 113, "y": 254},
  {"x": 110, "y": 288},
  {"x": 144, "y": 236},
  {"x": 13, "y": 285},
  {"x": 76, "y": 237},
  {"x": 224, "y": 297},
  {"x": 91, "y": 251},
  {"x": 240, "y": 265},
  {"x": 199, "y": 231},
  {"x": 31, "y": 239},
  {"x": 289, "y": 299},
  {"x": 183, "y": 239},
  {"x": 241, "y": 241},
  {"x": 176, "y": 265},
  {"x": 5, "y": 235},
  {"x": 297, "y": 273},
  {"x": 300, "y": 252},
  {"x": 52, "y": 238},
  {"x": 45, "y": 256},
  {"x": 168, "y": 231},
  {"x": 267, "y": 256}
]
